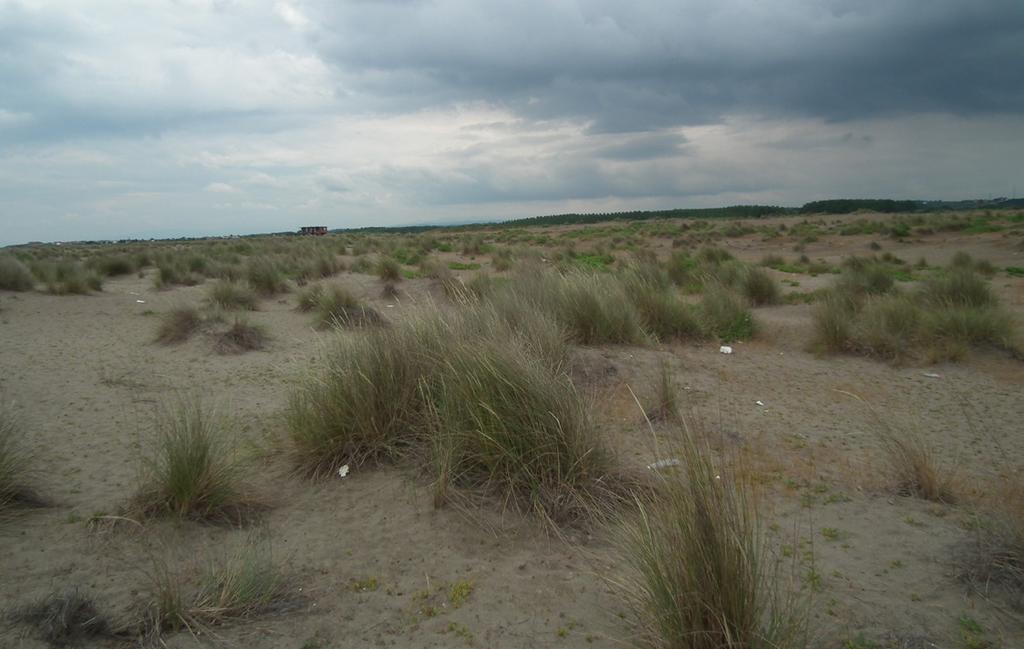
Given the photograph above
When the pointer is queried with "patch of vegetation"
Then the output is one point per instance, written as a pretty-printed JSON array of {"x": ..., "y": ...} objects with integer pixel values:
[
  {"x": 242, "y": 336},
  {"x": 472, "y": 395},
  {"x": 725, "y": 314},
  {"x": 14, "y": 275},
  {"x": 265, "y": 277},
  {"x": 952, "y": 310},
  {"x": 178, "y": 325},
  {"x": 14, "y": 462},
  {"x": 230, "y": 295},
  {"x": 701, "y": 576},
  {"x": 64, "y": 618},
  {"x": 759, "y": 287},
  {"x": 991, "y": 560},
  {"x": 191, "y": 471},
  {"x": 337, "y": 307},
  {"x": 459, "y": 592},
  {"x": 389, "y": 270},
  {"x": 114, "y": 265},
  {"x": 457, "y": 265},
  {"x": 240, "y": 585},
  {"x": 666, "y": 400},
  {"x": 66, "y": 277}
]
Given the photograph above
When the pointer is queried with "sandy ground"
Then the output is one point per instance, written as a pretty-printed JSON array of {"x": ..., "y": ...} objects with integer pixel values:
[{"x": 85, "y": 376}]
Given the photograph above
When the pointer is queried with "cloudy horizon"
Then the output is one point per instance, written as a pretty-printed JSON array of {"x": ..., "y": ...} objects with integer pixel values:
[{"x": 213, "y": 117}]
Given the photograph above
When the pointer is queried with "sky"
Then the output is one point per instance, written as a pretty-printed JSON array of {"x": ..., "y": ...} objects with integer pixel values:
[{"x": 158, "y": 118}]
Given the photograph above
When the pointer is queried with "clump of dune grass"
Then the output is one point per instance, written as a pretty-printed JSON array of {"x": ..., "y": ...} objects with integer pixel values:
[
  {"x": 595, "y": 309},
  {"x": 991, "y": 559},
  {"x": 14, "y": 463},
  {"x": 957, "y": 287},
  {"x": 478, "y": 398},
  {"x": 726, "y": 314},
  {"x": 265, "y": 276},
  {"x": 888, "y": 326},
  {"x": 242, "y": 336},
  {"x": 66, "y": 277},
  {"x": 63, "y": 618},
  {"x": 114, "y": 265},
  {"x": 666, "y": 399},
  {"x": 862, "y": 276},
  {"x": 759, "y": 287},
  {"x": 664, "y": 315},
  {"x": 178, "y": 325},
  {"x": 832, "y": 319},
  {"x": 240, "y": 584},
  {"x": 950, "y": 312},
  {"x": 361, "y": 264},
  {"x": 364, "y": 405},
  {"x": 326, "y": 264},
  {"x": 14, "y": 275},
  {"x": 542, "y": 334},
  {"x": 309, "y": 297},
  {"x": 482, "y": 284},
  {"x": 338, "y": 307},
  {"x": 502, "y": 423},
  {"x": 389, "y": 270},
  {"x": 502, "y": 260},
  {"x": 191, "y": 471},
  {"x": 914, "y": 467},
  {"x": 701, "y": 576},
  {"x": 230, "y": 295}
]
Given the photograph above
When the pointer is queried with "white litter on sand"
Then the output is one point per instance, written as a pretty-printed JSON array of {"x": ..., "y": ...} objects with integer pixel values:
[
  {"x": 725, "y": 349},
  {"x": 343, "y": 471}
]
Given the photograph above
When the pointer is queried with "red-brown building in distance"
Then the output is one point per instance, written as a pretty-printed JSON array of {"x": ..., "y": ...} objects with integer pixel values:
[{"x": 318, "y": 230}]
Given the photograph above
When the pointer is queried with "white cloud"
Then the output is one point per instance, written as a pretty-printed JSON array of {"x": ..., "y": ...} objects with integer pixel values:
[
  {"x": 220, "y": 188},
  {"x": 292, "y": 15}
]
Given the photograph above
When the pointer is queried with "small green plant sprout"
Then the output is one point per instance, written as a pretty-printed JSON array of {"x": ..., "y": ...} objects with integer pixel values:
[
  {"x": 459, "y": 592},
  {"x": 365, "y": 585}
]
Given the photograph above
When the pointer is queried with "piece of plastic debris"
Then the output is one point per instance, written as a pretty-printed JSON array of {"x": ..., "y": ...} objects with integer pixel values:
[
  {"x": 343, "y": 471},
  {"x": 725, "y": 349},
  {"x": 759, "y": 402},
  {"x": 140, "y": 301},
  {"x": 932, "y": 375},
  {"x": 661, "y": 464},
  {"x": 390, "y": 306}
]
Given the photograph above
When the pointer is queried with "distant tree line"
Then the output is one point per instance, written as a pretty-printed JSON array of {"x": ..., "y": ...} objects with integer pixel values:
[
  {"x": 731, "y": 212},
  {"x": 847, "y": 205}
]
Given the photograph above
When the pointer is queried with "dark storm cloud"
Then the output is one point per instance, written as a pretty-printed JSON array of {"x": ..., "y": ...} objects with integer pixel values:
[
  {"x": 645, "y": 146},
  {"x": 638, "y": 66}
]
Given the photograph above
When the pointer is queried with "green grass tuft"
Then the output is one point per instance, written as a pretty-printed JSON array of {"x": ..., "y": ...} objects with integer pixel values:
[
  {"x": 14, "y": 463},
  {"x": 265, "y": 277},
  {"x": 14, "y": 275},
  {"x": 701, "y": 576},
  {"x": 178, "y": 325},
  {"x": 191, "y": 471},
  {"x": 230, "y": 295},
  {"x": 478, "y": 396},
  {"x": 725, "y": 314}
]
